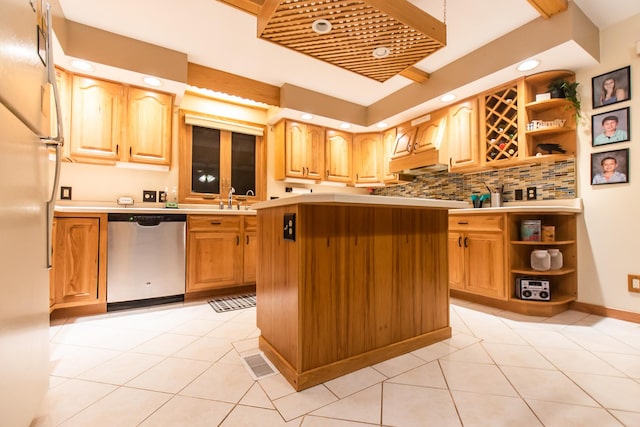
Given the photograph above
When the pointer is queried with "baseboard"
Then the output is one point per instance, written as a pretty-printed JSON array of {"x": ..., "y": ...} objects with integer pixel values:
[{"x": 605, "y": 311}]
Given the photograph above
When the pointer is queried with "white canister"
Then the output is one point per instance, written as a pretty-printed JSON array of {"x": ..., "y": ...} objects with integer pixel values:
[
  {"x": 540, "y": 260},
  {"x": 556, "y": 259}
]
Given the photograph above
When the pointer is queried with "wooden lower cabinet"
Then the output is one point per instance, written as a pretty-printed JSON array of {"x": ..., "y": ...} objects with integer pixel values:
[
  {"x": 250, "y": 252},
  {"x": 487, "y": 257},
  {"x": 477, "y": 254},
  {"x": 217, "y": 247},
  {"x": 78, "y": 273}
]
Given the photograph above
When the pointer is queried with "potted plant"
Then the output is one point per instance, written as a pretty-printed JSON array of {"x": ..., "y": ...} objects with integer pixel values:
[{"x": 562, "y": 88}]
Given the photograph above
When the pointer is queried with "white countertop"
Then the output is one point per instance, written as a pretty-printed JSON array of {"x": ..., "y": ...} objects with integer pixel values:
[
  {"x": 97, "y": 207},
  {"x": 360, "y": 199},
  {"x": 551, "y": 206}
]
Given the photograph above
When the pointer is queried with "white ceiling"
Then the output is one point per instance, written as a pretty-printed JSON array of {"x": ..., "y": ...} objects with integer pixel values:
[{"x": 219, "y": 36}]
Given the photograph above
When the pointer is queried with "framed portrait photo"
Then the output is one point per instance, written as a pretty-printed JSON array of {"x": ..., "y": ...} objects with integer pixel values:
[
  {"x": 610, "y": 127},
  {"x": 611, "y": 88},
  {"x": 610, "y": 167}
]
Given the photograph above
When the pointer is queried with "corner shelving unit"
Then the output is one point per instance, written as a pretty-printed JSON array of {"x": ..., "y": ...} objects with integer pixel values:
[
  {"x": 548, "y": 113},
  {"x": 563, "y": 282}
]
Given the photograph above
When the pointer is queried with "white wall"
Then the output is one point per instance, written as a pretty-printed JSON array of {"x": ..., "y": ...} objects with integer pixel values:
[{"x": 609, "y": 232}]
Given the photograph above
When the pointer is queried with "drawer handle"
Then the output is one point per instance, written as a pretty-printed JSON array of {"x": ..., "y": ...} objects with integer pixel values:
[
  {"x": 216, "y": 222},
  {"x": 463, "y": 222}
]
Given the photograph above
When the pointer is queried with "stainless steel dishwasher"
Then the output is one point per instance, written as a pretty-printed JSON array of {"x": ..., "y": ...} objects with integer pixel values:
[{"x": 146, "y": 259}]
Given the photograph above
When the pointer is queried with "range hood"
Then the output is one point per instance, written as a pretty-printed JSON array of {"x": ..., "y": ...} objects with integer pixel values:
[
  {"x": 418, "y": 163},
  {"x": 421, "y": 170}
]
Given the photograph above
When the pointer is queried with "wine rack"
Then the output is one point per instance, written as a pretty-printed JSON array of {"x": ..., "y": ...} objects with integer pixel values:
[{"x": 501, "y": 124}]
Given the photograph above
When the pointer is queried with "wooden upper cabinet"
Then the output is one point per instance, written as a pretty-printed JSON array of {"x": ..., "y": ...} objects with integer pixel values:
[
  {"x": 388, "y": 144},
  {"x": 462, "y": 135},
  {"x": 303, "y": 147},
  {"x": 405, "y": 135},
  {"x": 97, "y": 115},
  {"x": 367, "y": 158},
  {"x": 431, "y": 134},
  {"x": 338, "y": 156},
  {"x": 113, "y": 122},
  {"x": 148, "y": 133}
]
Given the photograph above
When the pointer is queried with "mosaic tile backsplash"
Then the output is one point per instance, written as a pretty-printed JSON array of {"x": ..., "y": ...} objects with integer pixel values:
[{"x": 553, "y": 180}]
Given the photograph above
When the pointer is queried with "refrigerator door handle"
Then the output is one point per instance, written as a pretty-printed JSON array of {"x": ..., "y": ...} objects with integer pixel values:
[{"x": 55, "y": 142}]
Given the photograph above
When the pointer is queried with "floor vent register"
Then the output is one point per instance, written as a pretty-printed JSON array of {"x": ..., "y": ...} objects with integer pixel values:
[{"x": 258, "y": 366}]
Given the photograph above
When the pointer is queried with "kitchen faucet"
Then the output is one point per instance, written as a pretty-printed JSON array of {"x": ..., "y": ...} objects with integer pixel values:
[
  {"x": 249, "y": 191},
  {"x": 230, "y": 197}
]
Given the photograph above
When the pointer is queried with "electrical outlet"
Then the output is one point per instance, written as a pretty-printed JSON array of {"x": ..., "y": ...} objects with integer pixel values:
[
  {"x": 162, "y": 196},
  {"x": 65, "y": 193},
  {"x": 634, "y": 282},
  {"x": 148, "y": 196},
  {"x": 532, "y": 193},
  {"x": 518, "y": 194}
]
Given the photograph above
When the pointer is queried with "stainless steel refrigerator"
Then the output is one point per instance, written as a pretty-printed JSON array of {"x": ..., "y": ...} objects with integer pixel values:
[{"x": 27, "y": 138}]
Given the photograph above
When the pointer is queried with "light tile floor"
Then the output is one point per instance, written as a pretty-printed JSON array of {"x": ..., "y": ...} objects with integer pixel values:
[{"x": 180, "y": 365}]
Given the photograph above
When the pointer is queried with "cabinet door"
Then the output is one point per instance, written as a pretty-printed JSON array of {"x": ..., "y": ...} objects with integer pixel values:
[
  {"x": 388, "y": 144},
  {"x": 250, "y": 255},
  {"x": 97, "y": 112},
  {"x": 149, "y": 116},
  {"x": 429, "y": 135},
  {"x": 338, "y": 156},
  {"x": 314, "y": 154},
  {"x": 75, "y": 260},
  {"x": 295, "y": 150},
  {"x": 404, "y": 141},
  {"x": 462, "y": 135},
  {"x": 485, "y": 255},
  {"x": 214, "y": 260},
  {"x": 457, "y": 261},
  {"x": 304, "y": 151},
  {"x": 367, "y": 157}
]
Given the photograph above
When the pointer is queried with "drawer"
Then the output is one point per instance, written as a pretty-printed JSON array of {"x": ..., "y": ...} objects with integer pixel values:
[
  {"x": 214, "y": 222},
  {"x": 250, "y": 223},
  {"x": 476, "y": 222}
]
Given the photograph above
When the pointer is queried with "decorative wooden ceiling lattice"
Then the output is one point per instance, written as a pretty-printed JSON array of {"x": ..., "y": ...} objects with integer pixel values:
[{"x": 357, "y": 28}]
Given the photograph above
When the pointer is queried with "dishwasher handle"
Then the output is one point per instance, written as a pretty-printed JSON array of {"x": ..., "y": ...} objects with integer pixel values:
[{"x": 148, "y": 221}]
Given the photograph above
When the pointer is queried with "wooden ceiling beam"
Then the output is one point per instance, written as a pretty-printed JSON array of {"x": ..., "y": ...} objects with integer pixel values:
[
  {"x": 415, "y": 74},
  {"x": 548, "y": 8},
  {"x": 250, "y": 6},
  {"x": 232, "y": 84}
]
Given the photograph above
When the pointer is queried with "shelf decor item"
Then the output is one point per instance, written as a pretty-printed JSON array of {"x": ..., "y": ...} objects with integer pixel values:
[
  {"x": 530, "y": 230},
  {"x": 540, "y": 260},
  {"x": 612, "y": 87},
  {"x": 563, "y": 88}
]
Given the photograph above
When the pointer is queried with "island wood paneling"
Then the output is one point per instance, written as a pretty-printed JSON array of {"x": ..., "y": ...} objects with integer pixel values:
[{"x": 359, "y": 285}]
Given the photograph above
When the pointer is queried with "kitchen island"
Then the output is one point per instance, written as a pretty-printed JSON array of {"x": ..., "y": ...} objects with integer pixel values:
[{"x": 346, "y": 281}]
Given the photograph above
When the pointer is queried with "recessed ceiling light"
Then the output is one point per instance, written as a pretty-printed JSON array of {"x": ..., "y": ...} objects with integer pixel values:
[
  {"x": 382, "y": 125},
  {"x": 152, "y": 81},
  {"x": 306, "y": 116},
  {"x": 447, "y": 97},
  {"x": 81, "y": 65},
  {"x": 529, "y": 64},
  {"x": 321, "y": 26},
  {"x": 381, "y": 52},
  {"x": 345, "y": 126}
]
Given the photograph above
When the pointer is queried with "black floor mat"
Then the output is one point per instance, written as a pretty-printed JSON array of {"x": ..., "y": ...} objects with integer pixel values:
[{"x": 236, "y": 302}]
